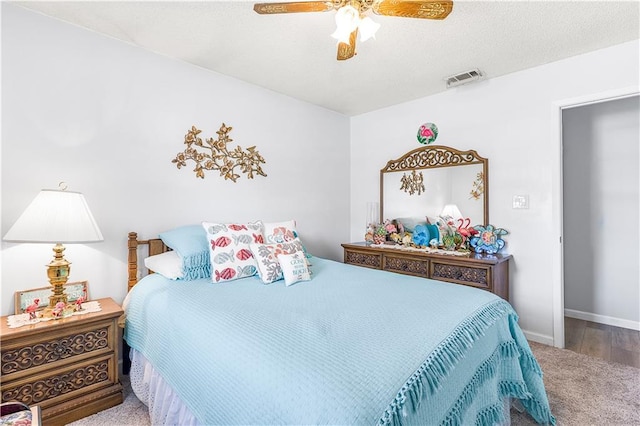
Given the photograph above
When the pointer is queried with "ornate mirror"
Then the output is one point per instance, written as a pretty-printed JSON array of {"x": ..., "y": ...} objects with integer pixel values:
[{"x": 423, "y": 181}]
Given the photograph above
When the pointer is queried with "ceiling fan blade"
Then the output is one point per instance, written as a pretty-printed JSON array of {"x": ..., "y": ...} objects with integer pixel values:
[
  {"x": 413, "y": 9},
  {"x": 293, "y": 7},
  {"x": 347, "y": 51}
]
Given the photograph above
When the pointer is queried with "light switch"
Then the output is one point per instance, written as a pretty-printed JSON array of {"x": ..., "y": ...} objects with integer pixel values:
[{"x": 520, "y": 201}]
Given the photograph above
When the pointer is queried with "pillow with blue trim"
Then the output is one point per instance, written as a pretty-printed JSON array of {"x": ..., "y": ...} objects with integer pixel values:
[{"x": 190, "y": 243}]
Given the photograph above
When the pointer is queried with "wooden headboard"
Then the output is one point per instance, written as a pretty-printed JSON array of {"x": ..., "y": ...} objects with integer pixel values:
[{"x": 154, "y": 246}]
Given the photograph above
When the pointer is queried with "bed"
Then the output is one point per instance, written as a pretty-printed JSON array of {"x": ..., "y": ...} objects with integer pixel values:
[{"x": 349, "y": 346}]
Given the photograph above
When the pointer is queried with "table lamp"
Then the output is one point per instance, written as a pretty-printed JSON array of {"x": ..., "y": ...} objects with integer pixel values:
[
  {"x": 452, "y": 211},
  {"x": 56, "y": 216}
]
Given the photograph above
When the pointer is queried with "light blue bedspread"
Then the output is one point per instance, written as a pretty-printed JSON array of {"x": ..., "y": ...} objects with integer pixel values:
[{"x": 353, "y": 346}]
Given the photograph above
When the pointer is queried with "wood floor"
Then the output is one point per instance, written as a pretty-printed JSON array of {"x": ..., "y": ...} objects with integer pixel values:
[{"x": 607, "y": 342}]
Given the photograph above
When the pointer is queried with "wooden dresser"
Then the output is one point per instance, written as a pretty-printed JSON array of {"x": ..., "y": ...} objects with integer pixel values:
[
  {"x": 69, "y": 367},
  {"x": 488, "y": 272}
]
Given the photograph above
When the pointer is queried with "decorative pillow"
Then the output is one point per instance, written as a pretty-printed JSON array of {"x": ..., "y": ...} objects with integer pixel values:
[
  {"x": 190, "y": 242},
  {"x": 294, "y": 267},
  {"x": 279, "y": 232},
  {"x": 167, "y": 264},
  {"x": 231, "y": 257},
  {"x": 266, "y": 256}
]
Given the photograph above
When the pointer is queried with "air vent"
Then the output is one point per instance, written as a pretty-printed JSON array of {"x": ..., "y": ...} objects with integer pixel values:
[{"x": 464, "y": 78}]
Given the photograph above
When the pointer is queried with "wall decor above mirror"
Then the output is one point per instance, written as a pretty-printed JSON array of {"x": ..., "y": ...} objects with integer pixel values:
[{"x": 444, "y": 175}]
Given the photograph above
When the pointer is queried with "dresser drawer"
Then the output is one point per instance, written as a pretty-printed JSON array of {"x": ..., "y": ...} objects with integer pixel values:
[
  {"x": 370, "y": 260},
  {"x": 406, "y": 265},
  {"x": 488, "y": 272},
  {"x": 25, "y": 356},
  {"x": 476, "y": 276}
]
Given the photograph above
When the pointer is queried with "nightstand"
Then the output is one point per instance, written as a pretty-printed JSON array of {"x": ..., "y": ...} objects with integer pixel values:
[{"x": 68, "y": 367}]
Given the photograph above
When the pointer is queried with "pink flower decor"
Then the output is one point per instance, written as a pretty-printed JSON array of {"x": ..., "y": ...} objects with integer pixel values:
[{"x": 390, "y": 227}]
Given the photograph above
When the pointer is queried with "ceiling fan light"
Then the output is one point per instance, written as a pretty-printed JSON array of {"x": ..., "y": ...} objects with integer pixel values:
[
  {"x": 341, "y": 36},
  {"x": 347, "y": 19},
  {"x": 368, "y": 29}
]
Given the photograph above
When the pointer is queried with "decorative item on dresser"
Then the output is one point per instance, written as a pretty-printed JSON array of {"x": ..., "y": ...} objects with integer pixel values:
[
  {"x": 488, "y": 272},
  {"x": 68, "y": 367}
]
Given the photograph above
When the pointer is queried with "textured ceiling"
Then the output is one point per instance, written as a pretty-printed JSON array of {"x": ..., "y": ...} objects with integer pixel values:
[{"x": 293, "y": 54}]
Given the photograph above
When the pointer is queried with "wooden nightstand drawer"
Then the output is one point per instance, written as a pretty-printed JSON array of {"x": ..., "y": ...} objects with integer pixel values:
[
  {"x": 476, "y": 276},
  {"x": 23, "y": 355},
  {"x": 406, "y": 265},
  {"x": 59, "y": 385}
]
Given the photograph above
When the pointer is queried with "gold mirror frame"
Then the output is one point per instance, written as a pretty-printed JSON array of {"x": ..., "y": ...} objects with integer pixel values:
[{"x": 437, "y": 156}]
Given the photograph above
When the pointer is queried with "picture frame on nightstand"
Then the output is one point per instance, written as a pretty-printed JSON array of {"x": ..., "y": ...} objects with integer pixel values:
[{"x": 25, "y": 298}]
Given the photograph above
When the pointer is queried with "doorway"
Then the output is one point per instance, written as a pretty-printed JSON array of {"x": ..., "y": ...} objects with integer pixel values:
[{"x": 585, "y": 222}]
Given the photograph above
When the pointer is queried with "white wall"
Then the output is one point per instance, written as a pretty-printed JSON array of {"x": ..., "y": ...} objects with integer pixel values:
[
  {"x": 508, "y": 120},
  {"x": 601, "y": 189},
  {"x": 107, "y": 118}
]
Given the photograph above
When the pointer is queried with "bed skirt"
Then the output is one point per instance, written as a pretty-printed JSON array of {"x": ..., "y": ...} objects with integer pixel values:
[{"x": 165, "y": 407}]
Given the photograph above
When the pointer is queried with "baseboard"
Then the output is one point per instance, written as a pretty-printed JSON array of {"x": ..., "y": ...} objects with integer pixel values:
[
  {"x": 538, "y": 338},
  {"x": 602, "y": 319}
]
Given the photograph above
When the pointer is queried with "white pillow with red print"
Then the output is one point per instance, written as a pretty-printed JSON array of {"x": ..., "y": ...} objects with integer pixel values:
[
  {"x": 279, "y": 232},
  {"x": 229, "y": 246}
]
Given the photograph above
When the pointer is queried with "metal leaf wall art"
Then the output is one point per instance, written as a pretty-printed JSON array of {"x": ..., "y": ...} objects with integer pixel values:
[{"x": 218, "y": 156}]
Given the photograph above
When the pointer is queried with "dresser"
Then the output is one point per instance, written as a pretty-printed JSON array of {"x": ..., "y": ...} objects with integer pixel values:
[
  {"x": 488, "y": 272},
  {"x": 68, "y": 367}
]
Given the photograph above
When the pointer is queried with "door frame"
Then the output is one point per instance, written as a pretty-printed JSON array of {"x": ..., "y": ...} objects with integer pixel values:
[{"x": 557, "y": 263}]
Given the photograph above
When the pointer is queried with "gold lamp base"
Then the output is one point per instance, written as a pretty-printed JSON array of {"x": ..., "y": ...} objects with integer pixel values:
[{"x": 58, "y": 273}]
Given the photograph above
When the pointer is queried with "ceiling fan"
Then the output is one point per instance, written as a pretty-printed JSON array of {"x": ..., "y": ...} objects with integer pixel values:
[{"x": 350, "y": 15}]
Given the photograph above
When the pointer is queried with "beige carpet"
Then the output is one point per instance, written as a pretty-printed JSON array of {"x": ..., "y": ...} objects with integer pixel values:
[
  {"x": 583, "y": 391},
  {"x": 586, "y": 391}
]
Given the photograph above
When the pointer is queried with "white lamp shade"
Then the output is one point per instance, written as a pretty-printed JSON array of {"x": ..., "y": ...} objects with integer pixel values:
[
  {"x": 452, "y": 211},
  {"x": 56, "y": 217}
]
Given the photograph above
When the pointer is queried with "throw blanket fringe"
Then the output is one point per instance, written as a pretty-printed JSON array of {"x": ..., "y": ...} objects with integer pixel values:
[
  {"x": 440, "y": 362},
  {"x": 492, "y": 415},
  {"x": 486, "y": 371},
  {"x": 196, "y": 266},
  {"x": 528, "y": 362},
  {"x": 508, "y": 389},
  {"x": 539, "y": 411}
]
